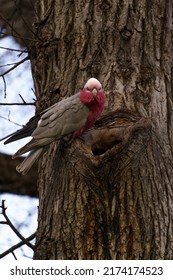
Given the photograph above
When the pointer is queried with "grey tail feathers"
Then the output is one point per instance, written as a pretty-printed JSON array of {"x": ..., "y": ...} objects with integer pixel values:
[{"x": 25, "y": 166}]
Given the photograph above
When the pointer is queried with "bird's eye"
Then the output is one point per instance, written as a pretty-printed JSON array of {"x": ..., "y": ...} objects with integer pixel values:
[{"x": 87, "y": 88}]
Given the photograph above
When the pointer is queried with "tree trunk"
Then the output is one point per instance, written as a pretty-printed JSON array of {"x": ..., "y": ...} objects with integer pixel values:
[{"x": 109, "y": 194}]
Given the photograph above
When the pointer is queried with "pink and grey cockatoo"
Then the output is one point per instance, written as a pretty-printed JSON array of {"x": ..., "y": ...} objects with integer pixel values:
[{"x": 71, "y": 116}]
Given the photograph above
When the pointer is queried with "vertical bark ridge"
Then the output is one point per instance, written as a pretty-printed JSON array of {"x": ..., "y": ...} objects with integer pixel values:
[{"x": 115, "y": 204}]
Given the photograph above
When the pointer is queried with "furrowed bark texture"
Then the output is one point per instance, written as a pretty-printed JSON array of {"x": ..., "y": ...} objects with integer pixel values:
[{"x": 108, "y": 195}]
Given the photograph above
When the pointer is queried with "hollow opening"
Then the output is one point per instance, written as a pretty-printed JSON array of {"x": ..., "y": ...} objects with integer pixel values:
[{"x": 100, "y": 148}]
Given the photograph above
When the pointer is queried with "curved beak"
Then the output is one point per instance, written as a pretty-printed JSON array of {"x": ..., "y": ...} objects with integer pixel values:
[{"x": 94, "y": 91}]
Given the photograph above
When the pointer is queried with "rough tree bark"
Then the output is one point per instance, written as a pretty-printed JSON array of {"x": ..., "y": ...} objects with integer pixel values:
[{"x": 108, "y": 195}]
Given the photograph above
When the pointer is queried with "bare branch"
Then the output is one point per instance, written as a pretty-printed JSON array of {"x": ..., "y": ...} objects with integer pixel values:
[
  {"x": 5, "y": 34},
  {"x": 13, "y": 227},
  {"x": 12, "y": 28},
  {"x": 12, "y": 104},
  {"x": 8, "y": 64},
  {"x": 16, "y": 65},
  {"x": 5, "y": 87},
  {"x": 24, "y": 102},
  {"x": 14, "y": 255},
  {"x": 3, "y": 223},
  {"x": 14, "y": 50},
  {"x": 18, "y": 245},
  {"x": 8, "y": 119}
]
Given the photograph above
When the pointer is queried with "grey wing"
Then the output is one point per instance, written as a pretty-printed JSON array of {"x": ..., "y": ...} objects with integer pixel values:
[{"x": 65, "y": 117}]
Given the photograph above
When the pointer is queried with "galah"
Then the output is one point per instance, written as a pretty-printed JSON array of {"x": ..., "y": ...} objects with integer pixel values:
[{"x": 71, "y": 116}]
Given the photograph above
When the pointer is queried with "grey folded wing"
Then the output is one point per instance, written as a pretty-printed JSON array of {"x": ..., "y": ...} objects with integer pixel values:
[{"x": 62, "y": 119}]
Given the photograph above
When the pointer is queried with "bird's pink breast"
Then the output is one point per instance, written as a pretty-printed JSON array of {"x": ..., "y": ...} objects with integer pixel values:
[{"x": 96, "y": 107}]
